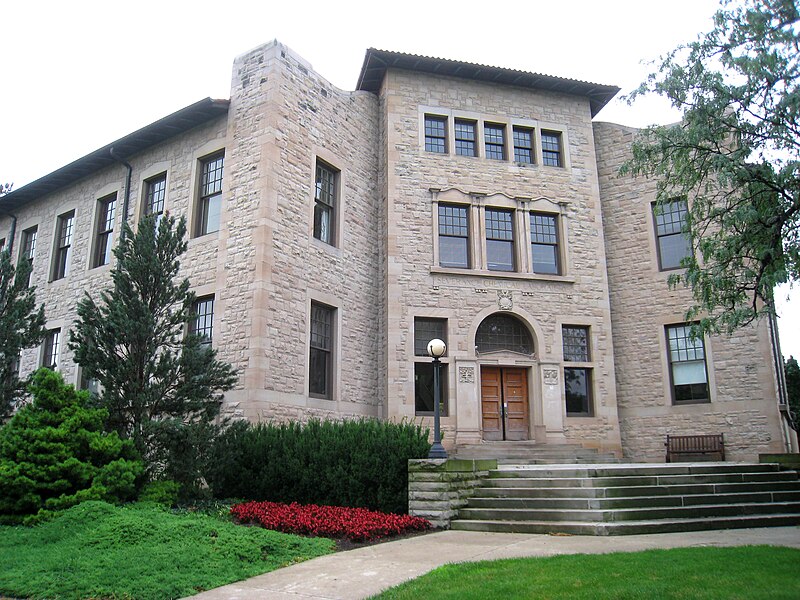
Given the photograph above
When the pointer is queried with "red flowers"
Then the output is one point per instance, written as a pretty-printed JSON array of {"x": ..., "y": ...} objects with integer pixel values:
[{"x": 355, "y": 524}]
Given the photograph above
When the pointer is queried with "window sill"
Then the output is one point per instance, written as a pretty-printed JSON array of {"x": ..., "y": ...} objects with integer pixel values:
[
  {"x": 205, "y": 238},
  {"x": 326, "y": 247},
  {"x": 502, "y": 274}
]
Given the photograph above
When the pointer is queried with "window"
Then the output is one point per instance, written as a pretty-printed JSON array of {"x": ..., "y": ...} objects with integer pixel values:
[
  {"x": 203, "y": 323},
  {"x": 454, "y": 236},
  {"x": 544, "y": 243},
  {"x": 52, "y": 343},
  {"x": 501, "y": 332},
  {"x": 320, "y": 360},
  {"x": 465, "y": 137},
  {"x": 61, "y": 260},
  {"x": 2, "y": 244},
  {"x": 577, "y": 380},
  {"x": 425, "y": 330},
  {"x": 210, "y": 203},
  {"x": 687, "y": 359},
  {"x": 551, "y": 149},
  {"x": 495, "y": 139},
  {"x": 325, "y": 203},
  {"x": 154, "y": 196},
  {"x": 105, "y": 230},
  {"x": 499, "y": 239},
  {"x": 435, "y": 134},
  {"x": 673, "y": 243},
  {"x": 523, "y": 145},
  {"x": 28, "y": 248}
]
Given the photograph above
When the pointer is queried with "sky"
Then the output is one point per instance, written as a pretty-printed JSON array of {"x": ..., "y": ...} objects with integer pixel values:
[{"x": 78, "y": 75}]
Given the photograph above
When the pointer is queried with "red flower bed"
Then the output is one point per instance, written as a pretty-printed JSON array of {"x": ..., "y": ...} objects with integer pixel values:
[{"x": 355, "y": 524}]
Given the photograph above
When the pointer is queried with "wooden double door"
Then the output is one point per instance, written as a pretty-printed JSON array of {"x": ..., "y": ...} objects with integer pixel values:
[{"x": 504, "y": 403}]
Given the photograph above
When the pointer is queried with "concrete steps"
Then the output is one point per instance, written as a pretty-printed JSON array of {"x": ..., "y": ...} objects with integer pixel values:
[
  {"x": 611, "y": 499},
  {"x": 533, "y": 453}
]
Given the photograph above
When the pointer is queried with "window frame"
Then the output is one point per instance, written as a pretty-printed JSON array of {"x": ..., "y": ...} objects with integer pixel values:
[
  {"x": 706, "y": 399},
  {"x": 435, "y": 134},
  {"x": 462, "y": 142},
  {"x": 104, "y": 230},
  {"x": 155, "y": 196},
  {"x": 327, "y": 354},
  {"x": 51, "y": 349},
  {"x": 209, "y": 197},
  {"x": 543, "y": 242},
  {"x": 552, "y": 150},
  {"x": 62, "y": 250},
  {"x": 323, "y": 207},
  {"x": 505, "y": 241},
  {"x": 578, "y": 359},
  {"x": 659, "y": 213},
  {"x": 494, "y": 139},
  {"x": 27, "y": 249},
  {"x": 530, "y": 148},
  {"x": 423, "y": 362},
  {"x": 447, "y": 222},
  {"x": 202, "y": 323}
]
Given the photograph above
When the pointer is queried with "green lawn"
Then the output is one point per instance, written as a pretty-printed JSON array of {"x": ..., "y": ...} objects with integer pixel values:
[
  {"x": 750, "y": 573},
  {"x": 96, "y": 550}
]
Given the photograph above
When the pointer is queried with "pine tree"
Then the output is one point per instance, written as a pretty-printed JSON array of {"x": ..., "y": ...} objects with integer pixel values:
[
  {"x": 21, "y": 326},
  {"x": 160, "y": 385}
]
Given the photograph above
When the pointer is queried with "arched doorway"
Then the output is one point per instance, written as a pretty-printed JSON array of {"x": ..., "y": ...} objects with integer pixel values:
[{"x": 505, "y": 410}]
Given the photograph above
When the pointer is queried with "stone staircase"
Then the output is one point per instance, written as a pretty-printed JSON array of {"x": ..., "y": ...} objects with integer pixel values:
[
  {"x": 532, "y": 453},
  {"x": 614, "y": 499}
]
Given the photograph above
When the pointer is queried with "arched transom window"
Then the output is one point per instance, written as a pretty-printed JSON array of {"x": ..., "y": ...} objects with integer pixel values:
[{"x": 502, "y": 332}]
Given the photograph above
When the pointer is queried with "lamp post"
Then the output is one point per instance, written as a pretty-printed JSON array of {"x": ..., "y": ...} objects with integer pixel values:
[{"x": 436, "y": 349}]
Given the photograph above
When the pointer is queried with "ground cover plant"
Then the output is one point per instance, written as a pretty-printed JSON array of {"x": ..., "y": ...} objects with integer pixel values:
[
  {"x": 140, "y": 552},
  {"x": 353, "y": 524},
  {"x": 750, "y": 572}
]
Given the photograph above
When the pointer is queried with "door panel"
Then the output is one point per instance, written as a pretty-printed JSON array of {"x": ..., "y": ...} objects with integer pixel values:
[
  {"x": 491, "y": 397},
  {"x": 504, "y": 403}
]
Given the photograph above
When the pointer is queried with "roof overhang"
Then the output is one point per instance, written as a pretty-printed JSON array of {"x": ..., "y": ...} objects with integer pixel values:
[
  {"x": 377, "y": 62},
  {"x": 125, "y": 147}
]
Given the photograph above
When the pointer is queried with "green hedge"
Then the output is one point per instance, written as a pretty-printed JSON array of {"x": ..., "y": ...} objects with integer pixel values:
[{"x": 342, "y": 463}]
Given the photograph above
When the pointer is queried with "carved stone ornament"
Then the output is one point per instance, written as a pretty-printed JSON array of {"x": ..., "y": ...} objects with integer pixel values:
[
  {"x": 466, "y": 374},
  {"x": 504, "y": 300},
  {"x": 550, "y": 376}
]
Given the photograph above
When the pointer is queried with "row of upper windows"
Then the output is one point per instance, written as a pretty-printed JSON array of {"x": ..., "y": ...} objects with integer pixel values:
[
  {"x": 469, "y": 136},
  {"x": 456, "y": 230},
  {"x": 686, "y": 356}
]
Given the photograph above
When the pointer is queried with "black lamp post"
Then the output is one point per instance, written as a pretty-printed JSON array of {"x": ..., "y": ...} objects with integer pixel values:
[{"x": 436, "y": 349}]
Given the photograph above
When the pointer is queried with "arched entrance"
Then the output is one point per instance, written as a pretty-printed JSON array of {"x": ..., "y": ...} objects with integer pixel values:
[{"x": 505, "y": 406}]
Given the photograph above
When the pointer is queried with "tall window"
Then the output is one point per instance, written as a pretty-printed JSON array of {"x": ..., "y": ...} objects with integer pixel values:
[
  {"x": 523, "y": 145},
  {"x": 28, "y": 248},
  {"x": 104, "y": 240},
  {"x": 495, "y": 139},
  {"x": 577, "y": 379},
  {"x": 435, "y": 134},
  {"x": 551, "y": 149},
  {"x": 544, "y": 243},
  {"x": 50, "y": 349},
  {"x": 465, "y": 137},
  {"x": 454, "y": 236},
  {"x": 425, "y": 330},
  {"x": 203, "y": 323},
  {"x": 320, "y": 360},
  {"x": 210, "y": 197},
  {"x": 673, "y": 243},
  {"x": 325, "y": 203},
  {"x": 154, "y": 196},
  {"x": 687, "y": 359},
  {"x": 63, "y": 250},
  {"x": 499, "y": 239}
]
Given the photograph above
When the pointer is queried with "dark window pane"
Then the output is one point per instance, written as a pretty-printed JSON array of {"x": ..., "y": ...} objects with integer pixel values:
[
  {"x": 465, "y": 138},
  {"x": 551, "y": 148},
  {"x": 576, "y": 343},
  {"x": 453, "y": 236},
  {"x": 320, "y": 353},
  {"x": 423, "y": 388},
  {"x": 203, "y": 323},
  {"x": 156, "y": 192},
  {"x": 425, "y": 330},
  {"x": 687, "y": 365},
  {"x": 495, "y": 139},
  {"x": 523, "y": 145},
  {"x": 544, "y": 243},
  {"x": 435, "y": 134},
  {"x": 63, "y": 246},
  {"x": 500, "y": 332},
  {"x": 210, "y": 204},
  {"x": 578, "y": 391},
  {"x": 545, "y": 259},
  {"x": 324, "y": 203},
  {"x": 499, "y": 255},
  {"x": 673, "y": 243},
  {"x": 499, "y": 240}
]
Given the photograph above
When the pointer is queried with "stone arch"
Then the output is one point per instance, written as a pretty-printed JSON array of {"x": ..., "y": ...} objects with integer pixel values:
[{"x": 525, "y": 319}]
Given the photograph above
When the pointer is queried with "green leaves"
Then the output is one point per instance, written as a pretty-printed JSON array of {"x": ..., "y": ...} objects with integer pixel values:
[{"x": 735, "y": 155}]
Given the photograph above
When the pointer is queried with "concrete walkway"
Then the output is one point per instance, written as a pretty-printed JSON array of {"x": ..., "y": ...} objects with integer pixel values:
[{"x": 367, "y": 571}]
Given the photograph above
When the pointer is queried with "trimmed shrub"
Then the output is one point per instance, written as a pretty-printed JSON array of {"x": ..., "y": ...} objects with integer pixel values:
[
  {"x": 361, "y": 463},
  {"x": 54, "y": 454}
]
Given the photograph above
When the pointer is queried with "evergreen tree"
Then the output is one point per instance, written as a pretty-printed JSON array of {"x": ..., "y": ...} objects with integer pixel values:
[
  {"x": 21, "y": 326},
  {"x": 792, "y": 370},
  {"x": 160, "y": 385},
  {"x": 734, "y": 155}
]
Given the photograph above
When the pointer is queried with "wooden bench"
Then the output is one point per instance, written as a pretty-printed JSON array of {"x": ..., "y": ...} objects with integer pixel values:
[{"x": 696, "y": 446}]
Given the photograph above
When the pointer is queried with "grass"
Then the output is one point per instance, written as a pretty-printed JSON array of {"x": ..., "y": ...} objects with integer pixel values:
[
  {"x": 142, "y": 551},
  {"x": 750, "y": 572}
]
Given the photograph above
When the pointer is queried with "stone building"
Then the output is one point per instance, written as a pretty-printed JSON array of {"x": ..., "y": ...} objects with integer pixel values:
[{"x": 334, "y": 233}]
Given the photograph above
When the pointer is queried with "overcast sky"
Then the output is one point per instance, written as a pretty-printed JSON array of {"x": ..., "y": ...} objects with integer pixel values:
[{"x": 78, "y": 75}]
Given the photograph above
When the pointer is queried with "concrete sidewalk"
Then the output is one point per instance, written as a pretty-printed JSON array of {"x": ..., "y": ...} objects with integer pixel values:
[{"x": 367, "y": 571}]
